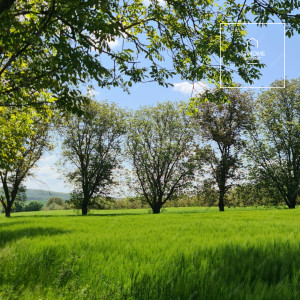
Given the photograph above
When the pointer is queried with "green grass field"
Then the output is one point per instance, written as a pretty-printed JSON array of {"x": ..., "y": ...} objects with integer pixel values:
[{"x": 183, "y": 253}]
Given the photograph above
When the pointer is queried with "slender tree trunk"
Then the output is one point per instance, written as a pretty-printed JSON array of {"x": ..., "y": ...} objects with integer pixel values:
[
  {"x": 84, "y": 207},
  {"x": 7, "y": 211},
  {"x": 221, "y": 201},
  {"x": 221, "y": 179}
]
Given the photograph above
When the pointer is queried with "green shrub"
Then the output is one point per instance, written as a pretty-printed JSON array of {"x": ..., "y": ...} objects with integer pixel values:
[
  {"x": 51, "y": 202},
  {"x": 33, "y": 206}
]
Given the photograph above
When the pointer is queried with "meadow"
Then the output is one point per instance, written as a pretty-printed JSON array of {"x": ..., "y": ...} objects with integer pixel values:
[{"x": 183, "y": 253}]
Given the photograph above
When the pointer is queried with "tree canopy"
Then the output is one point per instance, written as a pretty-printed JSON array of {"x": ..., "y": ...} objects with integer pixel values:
[{"x": 17, "y": 125}]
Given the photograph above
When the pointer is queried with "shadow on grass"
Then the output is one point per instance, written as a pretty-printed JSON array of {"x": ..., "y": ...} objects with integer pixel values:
[
  {"x": 267, "y": 271},
  {"x": 192, "y": 211},
  {"x": 8, "y": 236},
  {"x": 10, "y": 223},
  {"x": 226, "y": 272},
  {"x": 74, "y": 215},
  {"x": 117, "y": 215}
]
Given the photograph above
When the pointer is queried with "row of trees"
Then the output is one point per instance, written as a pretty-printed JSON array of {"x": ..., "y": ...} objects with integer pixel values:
[
  {"x": 172, "y": 147},
  {"x": 48, "y": 48}
]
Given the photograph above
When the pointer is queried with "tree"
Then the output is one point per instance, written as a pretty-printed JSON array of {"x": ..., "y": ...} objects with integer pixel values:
[
  {"x": 57, "y": 45},
  {"x": 91, "y": 147},
  {"x": 30, "y": 149},
  {"x": 223, "y": 125},
  {"x": 162, "y": 149},
  {"x": 275, "y": 144}
]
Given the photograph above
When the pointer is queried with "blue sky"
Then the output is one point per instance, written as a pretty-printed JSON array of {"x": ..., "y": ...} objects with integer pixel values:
[{"x": 270, "y": 40}]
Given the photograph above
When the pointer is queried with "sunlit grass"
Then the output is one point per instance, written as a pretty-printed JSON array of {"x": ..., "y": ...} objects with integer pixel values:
[{"x": 183, "y": 253}]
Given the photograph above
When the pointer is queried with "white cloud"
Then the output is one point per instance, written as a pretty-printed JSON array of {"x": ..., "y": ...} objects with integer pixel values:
[
  {"x": 191, "y": 89},
  {"x": 114, "y": 44}
]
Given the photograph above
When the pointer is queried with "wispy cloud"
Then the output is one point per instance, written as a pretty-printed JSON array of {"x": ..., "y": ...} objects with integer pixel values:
[{"x": 191, "y": 89}]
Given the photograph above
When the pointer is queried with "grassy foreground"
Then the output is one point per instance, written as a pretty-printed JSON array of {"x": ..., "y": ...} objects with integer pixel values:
[{"x": 184, "y": 253}]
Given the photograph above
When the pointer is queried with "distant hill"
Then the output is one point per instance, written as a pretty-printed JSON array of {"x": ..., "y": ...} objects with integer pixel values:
[{"x": 44, "y": 195}]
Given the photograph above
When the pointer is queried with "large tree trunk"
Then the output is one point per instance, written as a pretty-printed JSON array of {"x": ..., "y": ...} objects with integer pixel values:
[
  {"x": 156, "y": 208},
  {"x": 292, "y": 201},
  {"x": 221, "y": 201},
  {"x": 292, "y": 204},
  {"x": 221, "y": 179},
  {"x": 84, "y": 209}
]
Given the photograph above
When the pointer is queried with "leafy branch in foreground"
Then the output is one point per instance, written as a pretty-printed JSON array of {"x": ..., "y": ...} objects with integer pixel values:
[{"x": 55, "y": 46}]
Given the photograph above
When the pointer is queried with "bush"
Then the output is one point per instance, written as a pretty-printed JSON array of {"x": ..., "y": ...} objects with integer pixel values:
[
  {"x": 55, "y": 201},
  {"x": 33, "y": 206},
  {"x": 130, "y": 203},
  {"x": 55, "y": 206}
]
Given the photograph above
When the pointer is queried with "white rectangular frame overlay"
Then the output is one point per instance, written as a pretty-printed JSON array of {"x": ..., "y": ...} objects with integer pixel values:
[{"x": 252, "y": 87}]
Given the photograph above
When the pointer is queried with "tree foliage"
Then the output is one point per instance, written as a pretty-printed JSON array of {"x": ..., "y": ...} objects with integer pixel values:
[
  {"x": 17, "y": 125},
  {"x": 55, "y": 46},
  {"x": 33, "y": 206}
]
